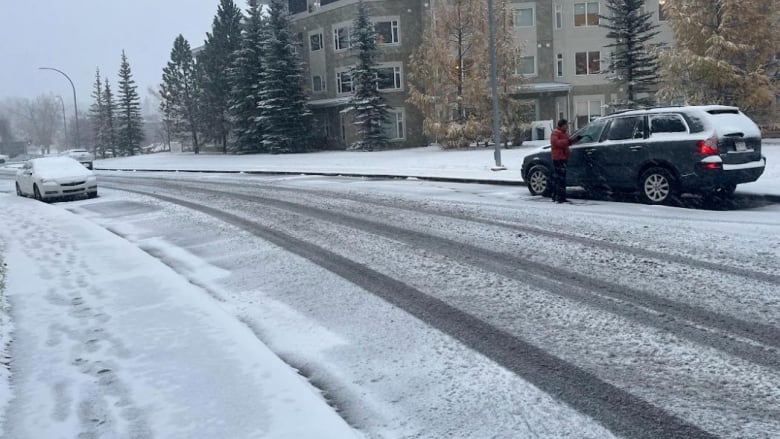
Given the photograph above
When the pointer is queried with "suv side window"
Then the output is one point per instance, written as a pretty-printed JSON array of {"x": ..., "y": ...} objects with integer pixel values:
[
  {"x": 625, "y": 128},
  {"x": 667, "y": 123}
]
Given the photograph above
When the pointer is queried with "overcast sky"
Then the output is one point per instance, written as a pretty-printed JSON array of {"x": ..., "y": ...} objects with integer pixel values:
[{"x": 76, "y": 36}]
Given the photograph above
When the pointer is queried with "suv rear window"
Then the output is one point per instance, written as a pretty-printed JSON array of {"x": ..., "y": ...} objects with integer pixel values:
[{"x": 667, "y": 123}]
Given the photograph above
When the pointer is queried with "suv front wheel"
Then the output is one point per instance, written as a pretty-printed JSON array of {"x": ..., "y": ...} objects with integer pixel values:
[
  {"x": 657, "y": 186},
  {"x": 539, "y": 180}
]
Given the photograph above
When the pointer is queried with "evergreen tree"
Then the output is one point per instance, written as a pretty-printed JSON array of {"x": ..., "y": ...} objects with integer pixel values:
[
  {"x": 179, "y": 92},
  {"x": 368, "y": 102},
  {"x": 246, "y": 77},
  {"x": 634, "y": 63},
  {"x": 97, "y": 114},
  {"x": 285, "y": 116},
  {"x": 216, "y": 59},
  {"x": 721, "y": 53},
  {"x": 109, "y": 107},
  {"x": 129, "y": 130}
]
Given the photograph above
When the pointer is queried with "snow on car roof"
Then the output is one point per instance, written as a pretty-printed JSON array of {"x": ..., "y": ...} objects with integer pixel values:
[{"x": 58, "y": 165}]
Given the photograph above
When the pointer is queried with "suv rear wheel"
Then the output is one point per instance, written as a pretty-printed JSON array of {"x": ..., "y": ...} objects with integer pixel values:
[
  {"x": 539, "y": 180},
  {"x": 657, "y": 186}
]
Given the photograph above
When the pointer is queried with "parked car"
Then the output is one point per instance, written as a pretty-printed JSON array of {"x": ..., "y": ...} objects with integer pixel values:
[
  {"x": 81, "y": 155},
  {"x": 660, "y": 153},
  {"x": 55, "y": 177},
  {"x": 3, "y": 159}
]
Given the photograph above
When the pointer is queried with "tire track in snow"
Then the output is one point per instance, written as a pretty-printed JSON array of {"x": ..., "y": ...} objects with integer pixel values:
[
  {"x": 694, "y": 323},
  {"x": 619, "y": 410},
  {"x": 747, "y": 273}
]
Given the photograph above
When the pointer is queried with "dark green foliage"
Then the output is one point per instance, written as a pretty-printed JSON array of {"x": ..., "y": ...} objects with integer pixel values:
[
  {"x": 109, "y": 120},
  {"x": 216, "y": 59},
  {"x": 179, "y": 93},
  {"x": 368, "y": 102},
  {"x": 634, "y": 64},
  {"x": 246, "y": 78},
  {"x": 129, "y": 130},
  {"x": 97, "y": 115},
  {"x": 285, "y": 116}
]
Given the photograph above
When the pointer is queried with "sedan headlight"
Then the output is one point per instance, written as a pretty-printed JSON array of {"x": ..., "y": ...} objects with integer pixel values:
[
  {"x": 91, "y": 178},
  {"x": 48, "y": 181}
]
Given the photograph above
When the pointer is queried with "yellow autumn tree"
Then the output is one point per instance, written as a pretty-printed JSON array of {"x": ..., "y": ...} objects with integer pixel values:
[
  {"x": 449, "y": 73},
  {"x": 722, "y": 54}
]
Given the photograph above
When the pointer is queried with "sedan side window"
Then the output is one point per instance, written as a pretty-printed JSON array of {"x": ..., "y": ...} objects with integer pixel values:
[
  {"x": 667, "y": 123},
  {"x": 625, "y": 128}
]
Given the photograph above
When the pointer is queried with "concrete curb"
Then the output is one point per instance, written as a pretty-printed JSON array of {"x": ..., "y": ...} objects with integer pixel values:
[{"x": 336, "y": 174}]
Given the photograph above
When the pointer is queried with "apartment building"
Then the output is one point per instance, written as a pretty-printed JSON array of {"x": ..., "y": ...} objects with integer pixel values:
[{"x": 563, "y": 59}]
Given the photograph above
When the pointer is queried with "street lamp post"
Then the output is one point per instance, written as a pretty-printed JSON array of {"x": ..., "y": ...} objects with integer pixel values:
[
  {"x": 75, "y": 104},
  {"x": 64, "y": 123}
]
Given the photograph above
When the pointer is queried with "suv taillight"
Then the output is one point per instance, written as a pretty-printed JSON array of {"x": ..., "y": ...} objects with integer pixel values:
[{"x": 708, "y": 147}]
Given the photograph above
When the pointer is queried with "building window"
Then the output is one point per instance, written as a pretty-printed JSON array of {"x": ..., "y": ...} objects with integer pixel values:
[
  {"x": 389, "y": 78},
  {"x": 586, "y": 111},
  {"x": 586, "y": 14},
  {"x": 588, "y": 63},
  {"x": 558, "y": 16},
  {"x": 394, "y": 125},
  {"x": 387, "y": 32},
  {"x": 296, "y": 6},
  {"x": 317, "y": 84},
  {"x": 526, "y": 65},
  {"x": 341, "y": 38},
  {"x": 344, "y": 82},
  {"x": 327, "y": 2},
  {"x": 315, "y": 41},
  {"x": 661, "y": 10},
  {"x": 559, "y": 65},
  {"x": 524, "y": 17}
]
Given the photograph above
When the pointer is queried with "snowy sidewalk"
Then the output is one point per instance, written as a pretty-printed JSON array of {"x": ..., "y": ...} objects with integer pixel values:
[
  {"x": 472, "y": 165},
  {"x": 107, "y": 341}
]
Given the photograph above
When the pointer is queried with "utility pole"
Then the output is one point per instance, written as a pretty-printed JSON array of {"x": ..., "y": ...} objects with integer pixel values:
[{"x": 494, "y": 87}]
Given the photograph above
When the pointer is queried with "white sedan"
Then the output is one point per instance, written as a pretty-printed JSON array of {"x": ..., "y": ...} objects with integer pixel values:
[
  {"x": 81, "y": 155},
  {"x": 54, "y": 177}
]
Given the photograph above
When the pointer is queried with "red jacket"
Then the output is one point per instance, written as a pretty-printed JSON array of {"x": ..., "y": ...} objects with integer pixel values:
[{"x": 559, "y": 142}]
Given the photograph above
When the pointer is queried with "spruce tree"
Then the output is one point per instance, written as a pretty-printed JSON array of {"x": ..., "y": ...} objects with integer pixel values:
[
  {"x": 285, "y": 116},
  {"x": 246, "y": 77},
  {"x": 216, "y": 59},
  {"x": 129, "y": 130},
  {"x": 109, "y": 107},
  {"x": 368, "y": 102},
  {"x": 97, "y": 114},
  {"x": 179, "y": 92},
  {"x": 634, "y": 63}
]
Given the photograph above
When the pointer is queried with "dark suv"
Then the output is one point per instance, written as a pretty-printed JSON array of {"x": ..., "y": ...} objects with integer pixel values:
[{"x": 660, "y": 153}]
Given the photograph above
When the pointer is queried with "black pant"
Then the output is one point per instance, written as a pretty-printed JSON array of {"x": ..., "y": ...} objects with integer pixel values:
[{"x": 558, "y": 187}]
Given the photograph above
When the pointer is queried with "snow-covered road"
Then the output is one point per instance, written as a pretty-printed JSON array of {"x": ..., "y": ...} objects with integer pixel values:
[{"x": 426, "y": 309}]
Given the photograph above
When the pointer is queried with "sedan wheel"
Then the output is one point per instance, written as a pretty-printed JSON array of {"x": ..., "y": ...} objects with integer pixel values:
[
  {"x": 19, "y": 191},
  {"x": 37, "y": 193},
  {"x": 657, "y": 186},
  {"x": 539, "y": 180}
]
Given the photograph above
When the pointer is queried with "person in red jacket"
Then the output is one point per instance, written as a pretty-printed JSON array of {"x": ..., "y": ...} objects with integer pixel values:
[{"x": 559, "y": 144}]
